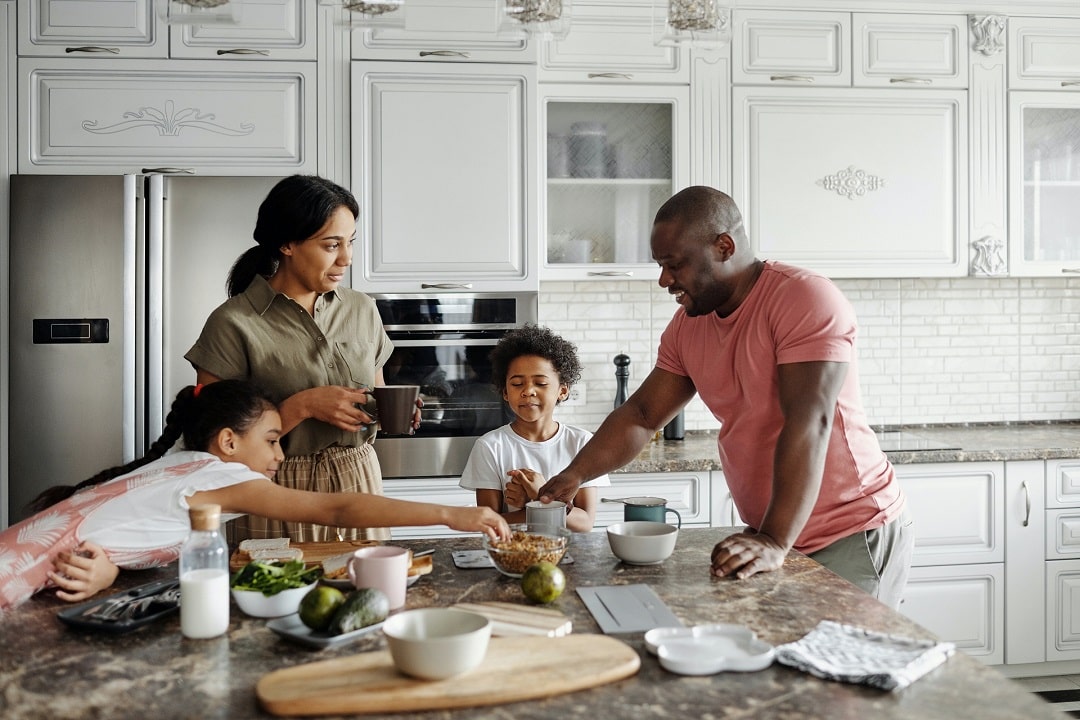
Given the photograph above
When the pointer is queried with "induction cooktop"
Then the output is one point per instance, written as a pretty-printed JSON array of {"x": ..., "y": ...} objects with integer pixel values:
[{"x": 907, "y": 441}]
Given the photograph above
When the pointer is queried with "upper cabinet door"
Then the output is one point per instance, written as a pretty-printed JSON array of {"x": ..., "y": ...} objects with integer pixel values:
[
  {"x": 444, "y": 162},
  {"x": 608, "y": 44},
  {"x": 91, "y": 28},
  {"x": 1044, "y": 53},
  {"x": 267, "y": 30},
  {"x": 791, "y": 48},
  {"x": 444, "y": 31},
  {"x": 854, "y": 182},
  {"x": 894, "y": 50}
]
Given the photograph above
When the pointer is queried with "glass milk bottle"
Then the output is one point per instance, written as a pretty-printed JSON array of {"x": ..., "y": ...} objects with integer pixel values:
[{"x": 204, "y": 576}]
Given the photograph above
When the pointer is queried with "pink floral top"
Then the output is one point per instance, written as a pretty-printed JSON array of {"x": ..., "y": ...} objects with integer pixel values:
[{"x": 139, "y": 519}]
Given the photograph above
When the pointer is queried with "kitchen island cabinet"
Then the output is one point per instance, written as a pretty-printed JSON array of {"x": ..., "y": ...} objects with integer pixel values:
[{"x": 51, "y": 671}]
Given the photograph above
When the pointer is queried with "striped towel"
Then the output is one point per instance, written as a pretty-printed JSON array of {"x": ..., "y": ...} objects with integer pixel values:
[{"x": 849, "y": 654}]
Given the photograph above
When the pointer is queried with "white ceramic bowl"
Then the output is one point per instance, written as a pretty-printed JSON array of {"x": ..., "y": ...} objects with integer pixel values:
[
  {"x": 286, "y": 602},
  {"x": 716, "y": 648},
  {"x": 641, "y": 542},
  {"x": 437, "y": 643}
]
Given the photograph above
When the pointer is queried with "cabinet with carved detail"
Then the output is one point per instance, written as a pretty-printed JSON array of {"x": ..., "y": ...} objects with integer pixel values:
[{"x": 121, "y": 116}]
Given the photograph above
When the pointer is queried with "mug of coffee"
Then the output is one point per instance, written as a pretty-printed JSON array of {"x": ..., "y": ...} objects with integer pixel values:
[
  {"x": 396, "y": 405},
  {"x": 653, "y": 509},
  {"x": 385, "y": 567},
  {"x": 552, "y": 514}
]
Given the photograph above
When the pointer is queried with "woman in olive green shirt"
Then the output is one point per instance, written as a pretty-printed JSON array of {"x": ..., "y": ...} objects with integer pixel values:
[{"x": 314, "y": 346}]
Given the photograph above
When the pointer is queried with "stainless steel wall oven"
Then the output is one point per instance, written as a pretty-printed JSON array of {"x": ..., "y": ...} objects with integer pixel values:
[{"x": 441, "y": 343}]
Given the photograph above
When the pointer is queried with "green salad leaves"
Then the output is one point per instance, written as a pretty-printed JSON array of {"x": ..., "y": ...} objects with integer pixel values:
[{"x": 270, "y": 578}]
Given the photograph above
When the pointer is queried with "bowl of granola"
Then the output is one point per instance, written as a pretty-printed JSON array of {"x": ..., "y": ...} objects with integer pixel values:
[{"x": 528, "y": 545}]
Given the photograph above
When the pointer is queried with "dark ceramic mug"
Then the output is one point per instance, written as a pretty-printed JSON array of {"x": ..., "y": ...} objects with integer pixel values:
[{"x": 652, "y": 509}]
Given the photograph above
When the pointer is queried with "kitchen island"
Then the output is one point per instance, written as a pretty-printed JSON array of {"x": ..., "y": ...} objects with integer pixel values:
[{"x": 49, "y": 670}]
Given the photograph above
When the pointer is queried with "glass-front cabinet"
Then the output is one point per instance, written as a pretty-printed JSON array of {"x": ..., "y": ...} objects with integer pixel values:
[
  {"x": 1045, "y": 189},
  {"x": 614, "y": 155}
]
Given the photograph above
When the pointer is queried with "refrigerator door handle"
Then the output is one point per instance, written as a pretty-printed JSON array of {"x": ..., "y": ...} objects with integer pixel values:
[{"x": 155, "y": 275}]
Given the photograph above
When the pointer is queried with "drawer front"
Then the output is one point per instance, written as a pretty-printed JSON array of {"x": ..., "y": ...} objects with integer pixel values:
[
  {"x": 91, "y": 28},
  {"x": 1063, "y": 534},
  {"x": 1063, "y": 483},
  {"x": 1044, "y": 53},
  {"x": 687, "y": 493},
  {"x": 441, "y": 491},
  {"x": 791, "y": 48},
  {"x": 222, "y": 117},
  {"x": 607, "y": 44},
  {"x": 964, "y": 605},
  {"x": 909, "y": 50},
  {"x": 958, "y": 512},
  {"x": 1062, "y": 618}
]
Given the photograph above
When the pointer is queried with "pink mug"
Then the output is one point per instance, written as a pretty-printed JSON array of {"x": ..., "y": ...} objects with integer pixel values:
[{"x": 385, "y": 567}]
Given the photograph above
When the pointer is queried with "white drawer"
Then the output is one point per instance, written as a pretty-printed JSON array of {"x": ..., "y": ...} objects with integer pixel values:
[
  {"x": 1063, "y": 534},
  {"x": 894, "y": 50},
  {"x": 441, "y": 491},
  {"x": 1044, "y": 53},
  {"x": 1062, "y": 483},
  {"x": 773, "y": 47}
]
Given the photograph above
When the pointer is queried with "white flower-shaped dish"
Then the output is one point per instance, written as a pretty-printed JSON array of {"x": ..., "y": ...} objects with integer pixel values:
[{"x": 709, "y": 649}]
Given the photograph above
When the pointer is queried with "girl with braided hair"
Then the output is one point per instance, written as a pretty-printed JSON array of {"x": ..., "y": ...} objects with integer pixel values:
[{"x": 136, "y": 515}]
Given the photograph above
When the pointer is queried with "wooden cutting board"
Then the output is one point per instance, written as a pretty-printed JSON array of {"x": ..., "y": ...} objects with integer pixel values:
[
  {"x": 514, "y": 669},
  {"x": 510, "y": 619},
  {"x": 314, "y": 552}
]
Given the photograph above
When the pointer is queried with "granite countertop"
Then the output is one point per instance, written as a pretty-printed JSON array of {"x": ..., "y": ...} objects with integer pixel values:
[
  {"x": 49, "y": 670},
  {"x": 902, "y": 444}
]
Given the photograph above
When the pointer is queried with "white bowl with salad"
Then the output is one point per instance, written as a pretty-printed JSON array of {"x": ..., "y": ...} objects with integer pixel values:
[{"x": 272, "y": 589}]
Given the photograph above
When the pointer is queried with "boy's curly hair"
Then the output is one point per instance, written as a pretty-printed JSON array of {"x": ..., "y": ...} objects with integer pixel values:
[{"x": 535, "y": 340}]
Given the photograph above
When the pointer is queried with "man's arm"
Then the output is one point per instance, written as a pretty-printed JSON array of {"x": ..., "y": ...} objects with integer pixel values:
[
  {"x": 808, "y": 393},
  {"x": 623, "y": 433}
]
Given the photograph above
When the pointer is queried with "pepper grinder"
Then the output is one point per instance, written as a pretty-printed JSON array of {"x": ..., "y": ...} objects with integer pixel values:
[{"x": 622, "y": 378}]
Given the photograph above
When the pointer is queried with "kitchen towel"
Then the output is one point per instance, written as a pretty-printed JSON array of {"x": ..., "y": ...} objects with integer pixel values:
[{"x": 849, "y": 654}]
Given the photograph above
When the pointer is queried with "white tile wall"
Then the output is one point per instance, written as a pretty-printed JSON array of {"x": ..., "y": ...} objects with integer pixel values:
[{"x": 930, "y": 351}]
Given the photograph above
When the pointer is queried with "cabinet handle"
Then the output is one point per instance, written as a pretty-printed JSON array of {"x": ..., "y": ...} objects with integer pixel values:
[
  {"x": 1069, "y": 83},
  {"x": 244, "y": 51},
  {"x": 611, "y": 273},
  {"x": 446, "y": 286},
  {"x": 444, "y": 53},
  {"x": 1027, "y": 503},
  {"x": 912, "y": 81},
  {"x": 794, "y": 78},
  {"x": 168, "y": 171},
  {"x": 1071, "y": 271},
  {"x": 622, "y": 76},
  {"x": 92, "y": 49}
]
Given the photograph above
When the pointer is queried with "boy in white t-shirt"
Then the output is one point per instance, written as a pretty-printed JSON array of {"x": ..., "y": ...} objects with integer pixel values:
[{"x": 533, "y": 369}]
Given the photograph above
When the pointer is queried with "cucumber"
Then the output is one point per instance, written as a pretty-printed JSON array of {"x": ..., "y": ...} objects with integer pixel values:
[{"x": 361, "y": 608}]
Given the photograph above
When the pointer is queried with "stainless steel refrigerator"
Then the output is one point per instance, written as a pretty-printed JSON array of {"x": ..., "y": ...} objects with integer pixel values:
[{"x": 111, "y": 280}]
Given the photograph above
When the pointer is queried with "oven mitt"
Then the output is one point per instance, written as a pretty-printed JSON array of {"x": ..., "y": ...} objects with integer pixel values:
[{"x": 849, "y": 654}]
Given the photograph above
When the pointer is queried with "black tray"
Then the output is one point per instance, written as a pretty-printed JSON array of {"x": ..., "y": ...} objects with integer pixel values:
[{"x": 80, "y": 616}]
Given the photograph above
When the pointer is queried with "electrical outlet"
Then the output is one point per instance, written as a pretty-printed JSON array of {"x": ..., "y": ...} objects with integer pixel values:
[{"x": 577, "y": 396}]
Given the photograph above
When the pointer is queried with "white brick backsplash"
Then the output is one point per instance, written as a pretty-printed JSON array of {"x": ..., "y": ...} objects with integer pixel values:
[{"x": 930, "y": 350}]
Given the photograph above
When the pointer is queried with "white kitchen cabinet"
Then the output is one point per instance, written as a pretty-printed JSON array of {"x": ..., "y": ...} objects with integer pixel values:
[
  {"x": 614, "y": 155},
  {"x": 957, "y": 583},
  {"x": 1044, "y": 53},
  {"x": 444, "y": 167},
  {"x": 1025, "y": 586},
  {"x": 686, "y": 492},
  {"x": 1044, "y": 183},
  {"x": 827, "y": 178},
  {"x": 724, "y": 513},
  {"x": 779, "y": 47},
  {"x": 108, "y": 29},
  {"x": 125, "y": 115},
  {"x": 1062, "y": 553},
  {"x": 444, "y": 31},
  {"x": 612, "y": 44},
  {"x": 963, "y": 605},
  {"x": 1062, "y": 618},
  {"x": 783, "y": 47},
  {"x": 441, "y": 491},
  {"x": 894, "y": 50}
]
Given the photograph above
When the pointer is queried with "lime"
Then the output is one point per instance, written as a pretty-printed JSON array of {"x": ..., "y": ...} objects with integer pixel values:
[
  {"x": 543, "y": 582},
  {"x": 317, "y": 608}
]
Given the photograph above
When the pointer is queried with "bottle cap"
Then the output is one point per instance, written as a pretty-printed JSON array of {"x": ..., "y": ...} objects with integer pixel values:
[{"x": 205, "y": 517}]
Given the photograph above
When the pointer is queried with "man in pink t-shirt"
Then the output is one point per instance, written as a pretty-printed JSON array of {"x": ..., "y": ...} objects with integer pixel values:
[{"x": 769, "y": 348}]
